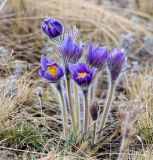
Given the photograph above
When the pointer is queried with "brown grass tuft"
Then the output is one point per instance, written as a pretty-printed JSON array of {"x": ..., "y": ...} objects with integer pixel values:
[
  {"x": 140, "y": 92},
  {"x": 14, "y": 93}
]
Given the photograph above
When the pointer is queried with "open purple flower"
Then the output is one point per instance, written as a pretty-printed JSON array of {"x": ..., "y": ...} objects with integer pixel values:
[
  {"x": 81, "y": 74},
  {"x": 71, "y": 52},
  {"x": 52, "y": 27},
  {"x": 50, "y": 70},
  {"x": 116, "y": 61},
  {"x": 97, "y": 57}
]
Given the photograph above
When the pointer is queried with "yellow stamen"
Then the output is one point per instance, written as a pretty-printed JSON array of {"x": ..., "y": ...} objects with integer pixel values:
[
  {"x": 52, "y": 70},
  {"x": 82, "y": 74}
]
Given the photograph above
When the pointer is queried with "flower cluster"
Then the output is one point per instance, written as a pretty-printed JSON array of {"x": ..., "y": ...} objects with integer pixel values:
[{"x": 83, "y": 74}]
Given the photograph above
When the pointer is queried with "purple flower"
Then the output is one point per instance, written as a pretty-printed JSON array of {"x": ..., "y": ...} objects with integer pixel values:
[
  {"x": 52, "y": 27},
  {"x": 71, "y": 51},
  {"x": 97, "y": 57},
  {"x": 116, "y": 61},
  {"x": 50, "y": 70},
  {"x": 81, "y": 74}
]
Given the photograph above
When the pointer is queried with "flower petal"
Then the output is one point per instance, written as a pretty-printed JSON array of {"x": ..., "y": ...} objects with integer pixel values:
[
  {"x": 41, "y": 72},
  {"x": 59, "y": 73},
  {"x": 49, "y": 77},
  {"x": 44, "y": 61},
  {"x": 67, "y": 46},
  {"x": 88, "y": 79},
  {"x": 73, "y": 70},
  {"x": 58, "y": 25},
  {"x": 80, "y": 81},
  {"x": 92, "y": 72},
  {"x": 82, "y": 67}
]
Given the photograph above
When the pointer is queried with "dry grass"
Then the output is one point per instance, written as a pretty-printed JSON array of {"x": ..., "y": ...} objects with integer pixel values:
[
  {"x": 140, "y": 93},
  {"x": 145, "y": 6},
  {"x": 139, "y": 155},
  {"x": 14, "y": 93}
]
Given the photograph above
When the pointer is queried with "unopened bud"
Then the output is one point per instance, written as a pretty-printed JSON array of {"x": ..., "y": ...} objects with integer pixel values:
[
  {"x": 94, "y": 110},
  {"x": 52, "y": 27}
]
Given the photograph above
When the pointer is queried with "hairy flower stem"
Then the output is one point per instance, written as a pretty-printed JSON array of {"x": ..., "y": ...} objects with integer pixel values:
[
  {"x": 94, "y": 132},
  {"x": 64, "y": 114},
  {"x": 86, "y": 112},
  {"x": 70, "y": 102},
  {"x": 63, "y": 105},
  {"x": 76, "y": 95},
  {"x": 106, "y": 108},
  {"x": 92, "y": 92}
]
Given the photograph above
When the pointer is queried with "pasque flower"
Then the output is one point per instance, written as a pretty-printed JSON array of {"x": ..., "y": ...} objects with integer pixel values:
[
  {"x": 97, "y": 56},
  {"x": 81, "y": 74},
  {"x": 52, "y": 27},
  {"x": 70, "y": 53},
  {"x": 70, "y": 50},
  {"x": 116, "y": 61},
  {"x": 50, "y": 70}
]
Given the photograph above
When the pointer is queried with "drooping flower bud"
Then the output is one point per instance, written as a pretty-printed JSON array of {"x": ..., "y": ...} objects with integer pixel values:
[
  {"x": 52, "y": 27},
  {"x": 94, "y": 110}
]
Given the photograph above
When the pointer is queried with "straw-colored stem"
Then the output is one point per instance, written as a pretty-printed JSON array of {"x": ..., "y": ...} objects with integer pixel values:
[
  {"x": 65, "y": 123},
  {"x": 70, "y": 103},
  {"x": 92, "y": 92},
  {"x": 94, "y": 132},
  {"x": 94, "y": 88},
  {"x": 91, "y": 99},
  {"x": 86, "y": 113},
  {"x": 76, "y": 94},
  {"x": 106, "y": 109}
]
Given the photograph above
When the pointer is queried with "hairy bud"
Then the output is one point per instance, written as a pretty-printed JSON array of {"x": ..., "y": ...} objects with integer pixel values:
[
  {"x": 52, "y": 27},
  {"x": 94, "y": 110},
  {"x": 116, "y": 61}
]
